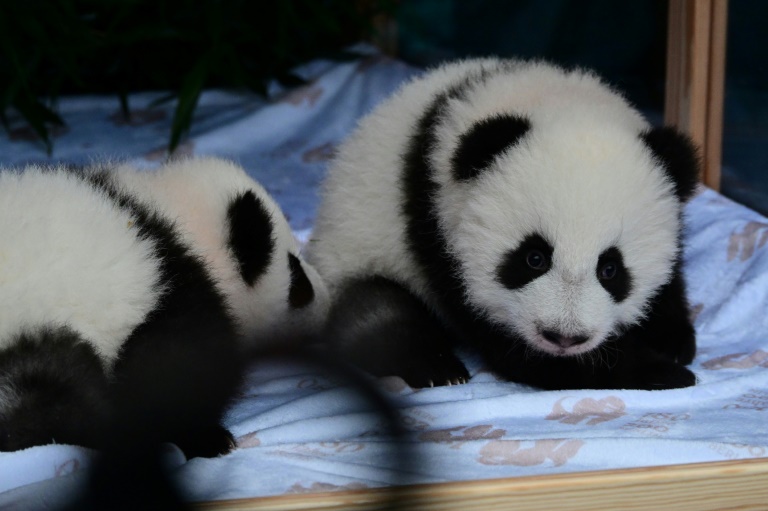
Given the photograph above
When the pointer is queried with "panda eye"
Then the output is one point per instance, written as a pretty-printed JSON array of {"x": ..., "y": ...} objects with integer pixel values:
[
  {"x": 528, "y": 261},
  {"x": 613, "y": 275},
  {"x": 536, "y": 260},
  {"x": 608, "y": 271}
]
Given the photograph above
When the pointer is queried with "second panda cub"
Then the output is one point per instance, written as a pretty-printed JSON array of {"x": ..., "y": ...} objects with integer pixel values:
[
  {"x": 524, "y": 210},
  {"x": 130, "y": 298},
  {"x": 235, "y": 226}
]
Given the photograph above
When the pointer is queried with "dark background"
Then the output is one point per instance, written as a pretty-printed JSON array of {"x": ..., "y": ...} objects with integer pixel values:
[
  {"x": 625, "y": 41},
  {"x": 50, "y": 48}
]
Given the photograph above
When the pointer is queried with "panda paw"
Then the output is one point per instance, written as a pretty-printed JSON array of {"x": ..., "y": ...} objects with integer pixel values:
[
  {"x": 686, "y": 349},
  {"x": 682, "y": 349},
  {"x": 668, "y": 376},
  {"x": 442, "y": 369},
  {"x": 208, "y": 443}
]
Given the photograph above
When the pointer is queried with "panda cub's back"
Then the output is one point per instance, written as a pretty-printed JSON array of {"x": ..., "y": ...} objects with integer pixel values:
[{"x": 57, "y": 275}]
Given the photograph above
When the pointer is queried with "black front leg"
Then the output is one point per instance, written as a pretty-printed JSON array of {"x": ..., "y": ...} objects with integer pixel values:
[
  {"x": 174, "y": 381},
  {"x": 624, "y": 363},
  {"x": 668, "y": 328},
  {"x": 378, "y": 325}
]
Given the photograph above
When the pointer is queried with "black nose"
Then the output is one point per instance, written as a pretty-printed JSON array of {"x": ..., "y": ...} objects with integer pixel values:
[{"x": 564, "y": 341}]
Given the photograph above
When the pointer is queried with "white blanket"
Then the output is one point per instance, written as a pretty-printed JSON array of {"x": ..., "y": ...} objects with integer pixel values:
[{"x": 299, "y": 431}]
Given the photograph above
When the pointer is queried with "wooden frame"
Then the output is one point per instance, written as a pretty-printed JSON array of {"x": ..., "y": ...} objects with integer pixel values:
[
  {"x": 694, "y": 103},
  {"x": 695, "y": 74},
  {"x": 696, "y": 41},
  {"x": 739, "y": 485}
]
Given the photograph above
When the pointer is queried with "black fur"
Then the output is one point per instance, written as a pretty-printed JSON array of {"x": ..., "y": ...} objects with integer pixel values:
[
  {"x": 679, "y": 156},
  {"x": 129, "y": 479},
  {"x": 484, "y": 141},
  {"x": 424, "y": 237},
  {"x": 647, "y": 356},
  {"x": 174, "y": 375},
  {"x": 367, "y": 318},
  {"x": 301, "y": 293},
  {"x": 668, "y": 329},
  {"x": 179, "y": 370},
  {"x": 377, "y": 325},
  {"x": 620, "y": 284},
  {"x": 625, "y": 362},
  {"x": 59, "y": 387},
  {"x": 250, "y": 236},
  {"x": 515, "y": 271},
  {"x": 427, "y": 243}
]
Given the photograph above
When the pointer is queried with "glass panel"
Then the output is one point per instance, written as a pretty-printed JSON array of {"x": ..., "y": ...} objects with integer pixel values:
[
  {"x": 623, "y": 41},
  {"x": 745, "y": 130}
]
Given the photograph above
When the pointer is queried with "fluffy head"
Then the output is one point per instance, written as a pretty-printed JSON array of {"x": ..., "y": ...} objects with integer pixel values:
[
  {"x": 557, "y": 202},
  {"x": 237, "y": 228}
]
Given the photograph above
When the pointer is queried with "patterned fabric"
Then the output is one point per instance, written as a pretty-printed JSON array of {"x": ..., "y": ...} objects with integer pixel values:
[{"x": 302, "y": 432}]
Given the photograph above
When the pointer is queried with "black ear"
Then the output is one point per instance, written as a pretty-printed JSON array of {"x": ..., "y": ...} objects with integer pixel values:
[
  {"x": 250, "y": 235},
  {"x": 679, "y": 156},
  {"x": 484, "y": 141},
  {"x": 301, "y": 292}
]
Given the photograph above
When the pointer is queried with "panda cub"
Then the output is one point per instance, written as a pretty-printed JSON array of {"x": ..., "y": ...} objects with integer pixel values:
[
  {"x": 113, "y": 321},
  {"x": 236, "y": 227},
  {"x": 526, "y": 211}
]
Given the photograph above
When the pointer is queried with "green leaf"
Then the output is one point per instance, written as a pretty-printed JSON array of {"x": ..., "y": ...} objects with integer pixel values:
[
  {"x": 38, "y": 115},
  {"x": 189, "y": 94},
  {"x": 124, "y": 108},
  {"x": 165, "y": 98},
  {"x": 62, "y": 47}
]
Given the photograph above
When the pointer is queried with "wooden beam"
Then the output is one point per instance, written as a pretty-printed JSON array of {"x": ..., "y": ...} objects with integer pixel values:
[
  {"x": 741, "y": 484},
  {"x": 713, "y": 146},
  {"x": 696, "y": 41}
]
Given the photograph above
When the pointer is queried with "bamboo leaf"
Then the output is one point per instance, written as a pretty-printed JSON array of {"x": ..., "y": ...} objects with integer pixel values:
[
  {"x": 37, "y": 115},
  {"x": 187, "y": 102},
  {"x": 124, "y": 108},
  {"x": 181, "y": 46},
  {"x": 165, "y": 98}
]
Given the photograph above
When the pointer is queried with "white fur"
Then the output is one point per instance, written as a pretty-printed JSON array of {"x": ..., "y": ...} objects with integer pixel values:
[
  {"x": 70, "y": 256},
  {"x": 195, "y": 194},
  {"x": 583, "y": 179},
  {"x": 359, "y": 228}
]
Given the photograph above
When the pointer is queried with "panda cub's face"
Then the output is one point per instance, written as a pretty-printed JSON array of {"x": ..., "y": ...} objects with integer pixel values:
[{"x": 564, "y": 230}]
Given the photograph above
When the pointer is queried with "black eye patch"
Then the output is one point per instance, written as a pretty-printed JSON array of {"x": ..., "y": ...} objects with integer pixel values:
[
  {"x": 250, "y": 235},
  {"x": 301, "y": 292},
  {"x": 484, "y": 141},
  {"x": 613, "y": 275},
  {"x": 528, "y": 261}
]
